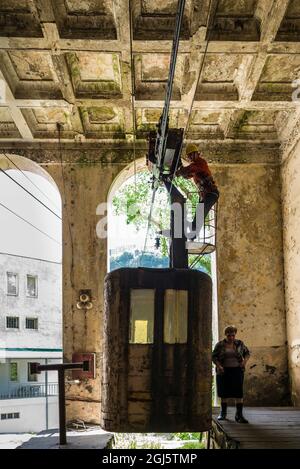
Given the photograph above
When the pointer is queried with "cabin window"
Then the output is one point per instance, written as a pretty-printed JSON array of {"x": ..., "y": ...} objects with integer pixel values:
[
  {"x": 141, "y": 316},
  {"x": 175, "y": 316}
]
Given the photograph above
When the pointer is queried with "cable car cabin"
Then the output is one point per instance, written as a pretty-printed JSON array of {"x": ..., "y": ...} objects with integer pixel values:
[{"x": 157, "y": 351}]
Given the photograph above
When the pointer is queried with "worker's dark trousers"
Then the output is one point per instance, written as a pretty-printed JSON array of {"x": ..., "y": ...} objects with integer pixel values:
[{"x": 210, "y": 200}]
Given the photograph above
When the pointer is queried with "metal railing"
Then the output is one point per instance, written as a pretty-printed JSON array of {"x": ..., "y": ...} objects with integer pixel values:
[
  {"x": 23, "y": 391},
  {"x": 205, "y": 243}
]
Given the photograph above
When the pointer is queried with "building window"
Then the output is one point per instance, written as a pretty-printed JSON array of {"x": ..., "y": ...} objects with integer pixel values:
[
  {"x": 175, "y": 316},
  {"x": 31, "y": 288},
  {"x": 141, "y": 316},
  {"x": 12, "y": 415},
  {"x": 32, "y": 323},
  {"x": 12, "y": 284},
  {"x": 31, "y": 376},
  {"x": 13, "y": 372},
  {"x": 12, "y": 322}
]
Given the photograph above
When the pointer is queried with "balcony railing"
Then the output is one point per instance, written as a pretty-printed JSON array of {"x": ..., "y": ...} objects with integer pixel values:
[{"x": 30, "y": 390}]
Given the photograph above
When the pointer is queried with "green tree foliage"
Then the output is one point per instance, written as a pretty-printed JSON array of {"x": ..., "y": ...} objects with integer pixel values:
[
  {"x": 133, "y": 200},
  {"x": 187, "y": 436}
]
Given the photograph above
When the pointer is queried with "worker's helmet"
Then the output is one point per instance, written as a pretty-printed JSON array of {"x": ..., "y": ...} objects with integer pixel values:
[{"x": 190, "y": 148}]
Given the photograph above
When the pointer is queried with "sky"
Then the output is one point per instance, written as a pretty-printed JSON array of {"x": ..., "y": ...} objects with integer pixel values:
[
  {"x": 122, "y": 235},
  {"x": 19, "y": 238},
  {"x": 16, "y": 235},
  {"x": 43, "y": 240}
]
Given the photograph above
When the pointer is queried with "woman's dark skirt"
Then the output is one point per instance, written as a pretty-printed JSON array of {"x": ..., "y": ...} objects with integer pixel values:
[{"x": 230, "y": 383}]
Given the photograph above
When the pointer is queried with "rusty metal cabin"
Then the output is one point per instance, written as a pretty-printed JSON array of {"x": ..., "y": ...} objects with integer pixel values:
[{"x": 156, "y": 351}]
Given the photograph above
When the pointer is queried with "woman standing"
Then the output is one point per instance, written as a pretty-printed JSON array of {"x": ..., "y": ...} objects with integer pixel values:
[{"x": 230, "y": 357}]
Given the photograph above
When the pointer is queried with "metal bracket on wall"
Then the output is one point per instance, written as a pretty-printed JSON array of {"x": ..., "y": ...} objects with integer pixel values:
[{"x": 84, "y": 357}]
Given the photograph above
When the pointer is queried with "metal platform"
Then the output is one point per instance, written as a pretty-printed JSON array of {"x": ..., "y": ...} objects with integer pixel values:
[
  {"x": 268, "y": 428},
  {"x": 195, "y": 247}
]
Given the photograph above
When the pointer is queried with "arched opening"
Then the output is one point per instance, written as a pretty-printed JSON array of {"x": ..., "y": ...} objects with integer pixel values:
[
  {"x": 129, "y": 201},
  {"x": 132, "y": 240},
  {"x": 128, "y": 248},
  {"x": 31, "y": 294}
]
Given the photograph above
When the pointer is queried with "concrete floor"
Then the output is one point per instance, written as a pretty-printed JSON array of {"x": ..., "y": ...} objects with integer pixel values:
[
  {"x": 91, "y": 438},
  {"x": 13, "y": 440}
]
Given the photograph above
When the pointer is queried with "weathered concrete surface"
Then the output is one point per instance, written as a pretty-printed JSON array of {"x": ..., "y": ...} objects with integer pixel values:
[
  {"x": 250, "y": 275},
  {"x": 250, "y": 260},
  {"x": 81, "y": 62},
  {"x": 291, "y": 237},
  {"x": 141, "y": 391},
  {"x": 83, "y": 187},
  {"x": 250, "y": 272},
  {"x": 58, "y": 65},
  {"x": 229, "y": 152}
]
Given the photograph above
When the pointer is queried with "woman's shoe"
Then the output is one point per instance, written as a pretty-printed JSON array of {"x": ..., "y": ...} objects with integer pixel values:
[
  {"x": 223, "y": 413},
  {"x": 240, "y": 419}
]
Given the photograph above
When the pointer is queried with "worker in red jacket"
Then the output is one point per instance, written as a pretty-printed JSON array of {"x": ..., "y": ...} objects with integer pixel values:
[{"x": 198, "y": 170}]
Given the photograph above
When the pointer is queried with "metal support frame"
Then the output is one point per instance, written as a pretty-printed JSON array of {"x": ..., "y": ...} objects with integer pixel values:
[
  {"x": 178, "y": 251},
  {"x": 162, "y": 133},
  {"x": 36, "y": 368},
  {"x": 157, "y": 154}
]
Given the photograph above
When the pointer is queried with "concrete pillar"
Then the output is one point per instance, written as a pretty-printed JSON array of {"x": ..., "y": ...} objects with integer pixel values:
[
  {"x": 83, "y": 187},
  {"x": 250, "y": 275},
  {"x": 290, "y": 173}
]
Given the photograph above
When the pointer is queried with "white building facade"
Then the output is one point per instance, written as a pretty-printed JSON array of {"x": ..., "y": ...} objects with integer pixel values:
[{"x": 30, "y": 331}]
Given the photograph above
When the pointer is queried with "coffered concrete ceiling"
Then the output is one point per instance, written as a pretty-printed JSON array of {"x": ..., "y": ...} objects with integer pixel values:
[{"x": 100, "y": 68}]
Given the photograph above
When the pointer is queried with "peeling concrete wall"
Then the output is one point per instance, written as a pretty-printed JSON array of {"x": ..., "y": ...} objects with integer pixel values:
[
  {"x": 84, "y": 267},
  {"x": 291, "y": 238},
  {"x": 250, "y": 275},
  {"x": 250, "y": 271},
  {"x": 250, "y": 265}
]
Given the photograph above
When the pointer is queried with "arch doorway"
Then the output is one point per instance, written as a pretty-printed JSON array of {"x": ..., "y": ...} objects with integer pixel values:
[
  {"x": 129, "y": 187},
  {"x": 31, "y": 294},
  {"x": 132, "y": 242}
]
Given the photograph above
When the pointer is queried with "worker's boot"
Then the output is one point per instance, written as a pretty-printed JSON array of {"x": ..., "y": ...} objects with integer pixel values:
[
  {"x": 239, "y": 418},
  {"x": 223, "y": 412}
]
